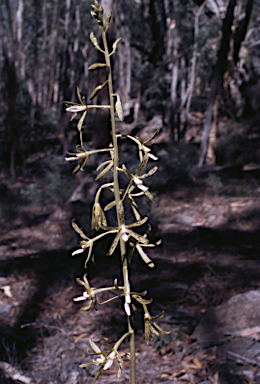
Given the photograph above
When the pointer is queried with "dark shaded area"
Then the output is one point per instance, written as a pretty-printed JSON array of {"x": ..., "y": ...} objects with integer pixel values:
[{"x": 49, "y": 268}]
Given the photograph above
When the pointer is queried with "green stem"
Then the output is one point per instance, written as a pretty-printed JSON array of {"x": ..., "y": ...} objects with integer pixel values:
[{"x": 117, "y": 199}]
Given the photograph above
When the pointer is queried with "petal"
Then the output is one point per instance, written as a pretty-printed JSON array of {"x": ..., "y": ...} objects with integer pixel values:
[
  {"x": 153, "y": 157},
  {"x": 114, "y": 244},
  {"x": 137, "y": 180},
  {"x": 76, "y": 108},
  {"x": 144, "y": 256},
  {"x": 80, "y": 298},
  {"x": 78, "y": 251},
  {"x": 94, "y": 346},
  {"x": 142, "y": 187},
  {"x": 108, "y": 364},
  {"x": 125, "y": 236},
  {"x": 71, "y": 158},
  {"x": 99, "y": 360},
  {"x": 127, "y": 309}
]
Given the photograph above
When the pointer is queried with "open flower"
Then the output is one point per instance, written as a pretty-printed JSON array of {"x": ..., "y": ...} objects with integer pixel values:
[
  {"x": 83, "y": 155},
  {"x": 106, "y": 358},
  {"x": 84, "y": 245},
  {"x": 137, "y": 179},
  {"x": 76, "y": 108},
  {"x": 126, "y": 232},
  {"x": 88, "y": 294},
  {"x": 143, "y": 146},
  {"x": 87, "y": 243}
]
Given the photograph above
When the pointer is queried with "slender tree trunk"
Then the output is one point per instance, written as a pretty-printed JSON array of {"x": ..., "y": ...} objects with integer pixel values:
[
  {"x": 55, "y": 35},
  {"x": 194, "y": 58},
  {"x": 211, "y": 157},
  {"x": 42, "y": 87},
  {"x": 11, "y": 82},
  {"x": 124, "y": 55},
  {"x": 19, "y": 23},
  {"x": 216, "y": 83},
  {"x": 187, "y": 96},
  {"x": 174, "y": 118},
  {"x": 65, "y": 91},
  {"x": 35, "y": 88}
]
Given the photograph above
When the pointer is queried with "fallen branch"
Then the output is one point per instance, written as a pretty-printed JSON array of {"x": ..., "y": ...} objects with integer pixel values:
[{"x": 14, "y": 374}]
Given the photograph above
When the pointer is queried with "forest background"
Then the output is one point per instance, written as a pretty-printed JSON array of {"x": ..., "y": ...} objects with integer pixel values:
[{"x": 179, "y": 62}]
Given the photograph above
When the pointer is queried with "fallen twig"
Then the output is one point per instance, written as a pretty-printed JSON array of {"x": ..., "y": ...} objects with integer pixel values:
[{"x": 243, "y": 358}]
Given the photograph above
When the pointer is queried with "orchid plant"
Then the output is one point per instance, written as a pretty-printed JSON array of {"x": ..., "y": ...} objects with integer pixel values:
[{"x": 128, "y": 240}]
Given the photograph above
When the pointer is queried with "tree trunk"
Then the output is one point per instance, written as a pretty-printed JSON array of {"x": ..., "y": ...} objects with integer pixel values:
[
  {"x": 65, "y": 91},
  {"x": 11, "y": 85},
  {"x": 240, "y": 33},
  {"x": 42, "y": 87},
  {"x": 124, "y": 56},
  {"x": 194, "y": 59},
  {"x": 174, "y": 116},
  {"x": 217, "y": 80},
  {"x": 107, "y": 6},
  {"x": 211, "y": 157},
  {"x": 55, "y": 35},
  {"x": 19, "y": 23}
]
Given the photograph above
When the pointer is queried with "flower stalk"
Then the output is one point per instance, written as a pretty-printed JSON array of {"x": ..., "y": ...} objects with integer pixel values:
[
  {"x": 119, "y": 206},
  {"x": 123, "y": 233}
]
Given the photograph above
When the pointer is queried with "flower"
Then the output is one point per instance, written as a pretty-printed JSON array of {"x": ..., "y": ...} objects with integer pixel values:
[
  {"x": 106, "y": 358},
  {"x": 87, "y": 243},
  {"x": 84, "y": 297},
  {"x": 126, "y": 232},
  {"x": 137, "y": 179},
  {"x": 83, "y": 155},
  {"x": 77, "y": 156},
  {"x": 84, "y": 245},
  {"x": 88, "y": 294},
  {"x": 141, "y": 145},
  {"x": 110, "y": 359}
]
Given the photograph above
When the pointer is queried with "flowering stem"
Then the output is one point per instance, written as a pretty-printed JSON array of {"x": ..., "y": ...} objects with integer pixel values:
[{"x": 117, "y": 199}]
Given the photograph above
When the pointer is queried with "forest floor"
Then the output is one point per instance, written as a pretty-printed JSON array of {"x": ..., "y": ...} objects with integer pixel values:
[{"x": 210, "y": 254}]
